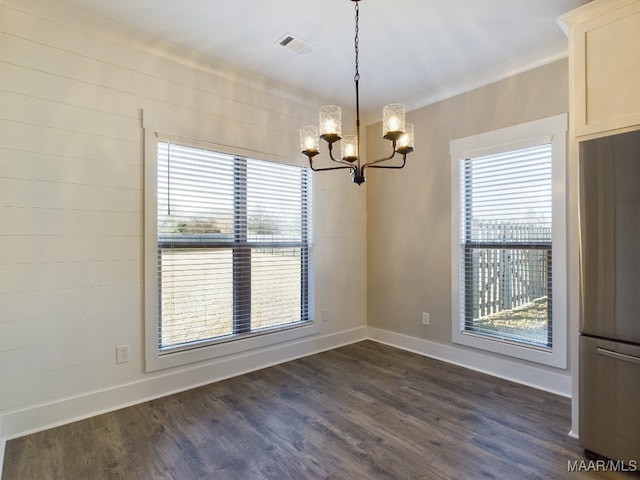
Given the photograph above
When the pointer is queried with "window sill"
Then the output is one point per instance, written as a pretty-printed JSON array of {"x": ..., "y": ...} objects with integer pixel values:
[
  {"x": 521, "y": 351},
  {"x": 157, "y": 360}
]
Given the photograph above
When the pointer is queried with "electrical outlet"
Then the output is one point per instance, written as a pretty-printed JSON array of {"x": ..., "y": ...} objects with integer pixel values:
[
  {"x": 325, "y": 315},
  {"x": 122, "y": 354},
  {"x": 425, "y": 319}
]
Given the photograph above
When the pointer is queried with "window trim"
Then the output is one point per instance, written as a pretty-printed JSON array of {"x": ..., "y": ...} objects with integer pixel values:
[
  {"x": 156, "y": 359},
  {"x": 548, "y": 130}
]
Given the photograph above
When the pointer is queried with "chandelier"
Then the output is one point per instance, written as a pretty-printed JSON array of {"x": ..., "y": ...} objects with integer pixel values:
[{"x": 394, "y": 129}]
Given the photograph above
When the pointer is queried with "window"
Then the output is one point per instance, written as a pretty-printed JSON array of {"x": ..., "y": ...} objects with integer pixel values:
[
  {"x": 509, "y": 233},
  {"x": 506, "y": 245},
  {"x": 233, "y": 248}
]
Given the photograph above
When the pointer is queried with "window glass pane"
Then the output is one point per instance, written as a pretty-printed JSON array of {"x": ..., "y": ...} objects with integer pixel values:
[
  {"x": 507, "y": 294},
  {"x": 234, "y": 243},
  {"x": 274, "y": 207},
  {"x": 276, "y": 287},
  {"x": 512, "y": 188},
  {"x": 195, "y": 193},
  {"x": 506, "y": 245},
  {"x": 196, "y": 297}
]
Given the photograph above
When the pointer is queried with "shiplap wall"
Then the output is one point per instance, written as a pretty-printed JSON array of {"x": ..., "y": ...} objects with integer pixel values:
[{"x": 73, "y": 91}]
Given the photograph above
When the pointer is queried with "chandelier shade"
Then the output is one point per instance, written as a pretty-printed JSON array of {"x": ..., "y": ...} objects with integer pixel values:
[
  {"x": 309, "y": 140},
  {"x": 405, "y": 142},
  {"x": 393, "y": 124},
  {"x": 330, "y": 122},
  {"x": 350, "y": 148},
  {"x": 394, "y": 128}
]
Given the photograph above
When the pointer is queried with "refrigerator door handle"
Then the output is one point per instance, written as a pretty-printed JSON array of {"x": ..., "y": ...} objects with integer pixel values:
[{"x": 618, "y": 356}]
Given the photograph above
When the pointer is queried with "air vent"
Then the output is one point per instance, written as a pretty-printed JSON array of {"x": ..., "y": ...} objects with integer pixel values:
[{"x": 295, "y": 44}]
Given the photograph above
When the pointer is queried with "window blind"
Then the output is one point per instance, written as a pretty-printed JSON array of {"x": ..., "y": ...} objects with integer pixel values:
[
  {"x": 506, "y": 247},
  {"x": 234, "y": 246}
]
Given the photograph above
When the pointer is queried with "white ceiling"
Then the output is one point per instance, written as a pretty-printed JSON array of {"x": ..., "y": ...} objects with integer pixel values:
[{"x": 411, "y": 51}]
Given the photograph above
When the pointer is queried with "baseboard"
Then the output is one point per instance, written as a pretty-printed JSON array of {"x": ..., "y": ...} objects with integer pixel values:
[
  {"x": 36, "y": 418},
  {"x": 532, "y": 376},
  {"x": 3, "y": 443}
]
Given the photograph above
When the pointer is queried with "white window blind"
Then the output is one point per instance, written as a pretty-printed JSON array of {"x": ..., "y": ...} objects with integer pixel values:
[
  {"x": 234, "y": 247},
  {"x": 506, "y": 245}
]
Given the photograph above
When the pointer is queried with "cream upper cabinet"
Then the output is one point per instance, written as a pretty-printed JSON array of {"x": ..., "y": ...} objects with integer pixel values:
[{"x": 604, "y": 53}]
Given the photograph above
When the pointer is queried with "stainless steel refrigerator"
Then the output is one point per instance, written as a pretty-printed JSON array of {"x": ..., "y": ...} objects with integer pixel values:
[{"x": 610, "y": 296}]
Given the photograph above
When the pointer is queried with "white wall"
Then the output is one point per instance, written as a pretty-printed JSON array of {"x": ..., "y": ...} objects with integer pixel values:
[{"x": 72, "y": 92}]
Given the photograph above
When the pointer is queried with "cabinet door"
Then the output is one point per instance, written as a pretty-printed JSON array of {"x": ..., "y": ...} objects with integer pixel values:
[
  {"x": 607, "y": 70},
  {"x": 609, "y": 398}
]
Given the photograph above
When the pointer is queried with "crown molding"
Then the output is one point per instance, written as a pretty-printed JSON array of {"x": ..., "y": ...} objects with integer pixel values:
[{"x": 540, "y": 58}]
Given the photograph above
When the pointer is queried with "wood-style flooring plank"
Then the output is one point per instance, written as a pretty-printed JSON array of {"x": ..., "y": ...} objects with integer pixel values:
[{"x": 364, "y": 411}]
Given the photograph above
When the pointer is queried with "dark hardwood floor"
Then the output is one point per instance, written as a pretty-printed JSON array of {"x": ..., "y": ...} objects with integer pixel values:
[{"x": 364, "y": 411}]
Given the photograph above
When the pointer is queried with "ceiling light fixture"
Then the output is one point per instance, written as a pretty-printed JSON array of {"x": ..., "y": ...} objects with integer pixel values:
[{"x": 394, "y": 129}]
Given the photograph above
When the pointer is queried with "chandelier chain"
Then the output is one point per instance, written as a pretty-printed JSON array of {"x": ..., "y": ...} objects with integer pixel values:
[
  {"x": 356, "y": 41},
  {"x": 356, "y": 80}
]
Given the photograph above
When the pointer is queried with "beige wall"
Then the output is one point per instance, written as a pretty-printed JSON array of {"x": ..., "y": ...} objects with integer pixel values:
[{"x": 409, "y": 218}]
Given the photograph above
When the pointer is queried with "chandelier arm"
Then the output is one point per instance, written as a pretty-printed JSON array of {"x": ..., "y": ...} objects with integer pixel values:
[
  {"x": 369, "y": 164},
  {"x": 393, "y": 154},
  {"x": 324, "y": 169},
  {"x": 397, "y": 167}
]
